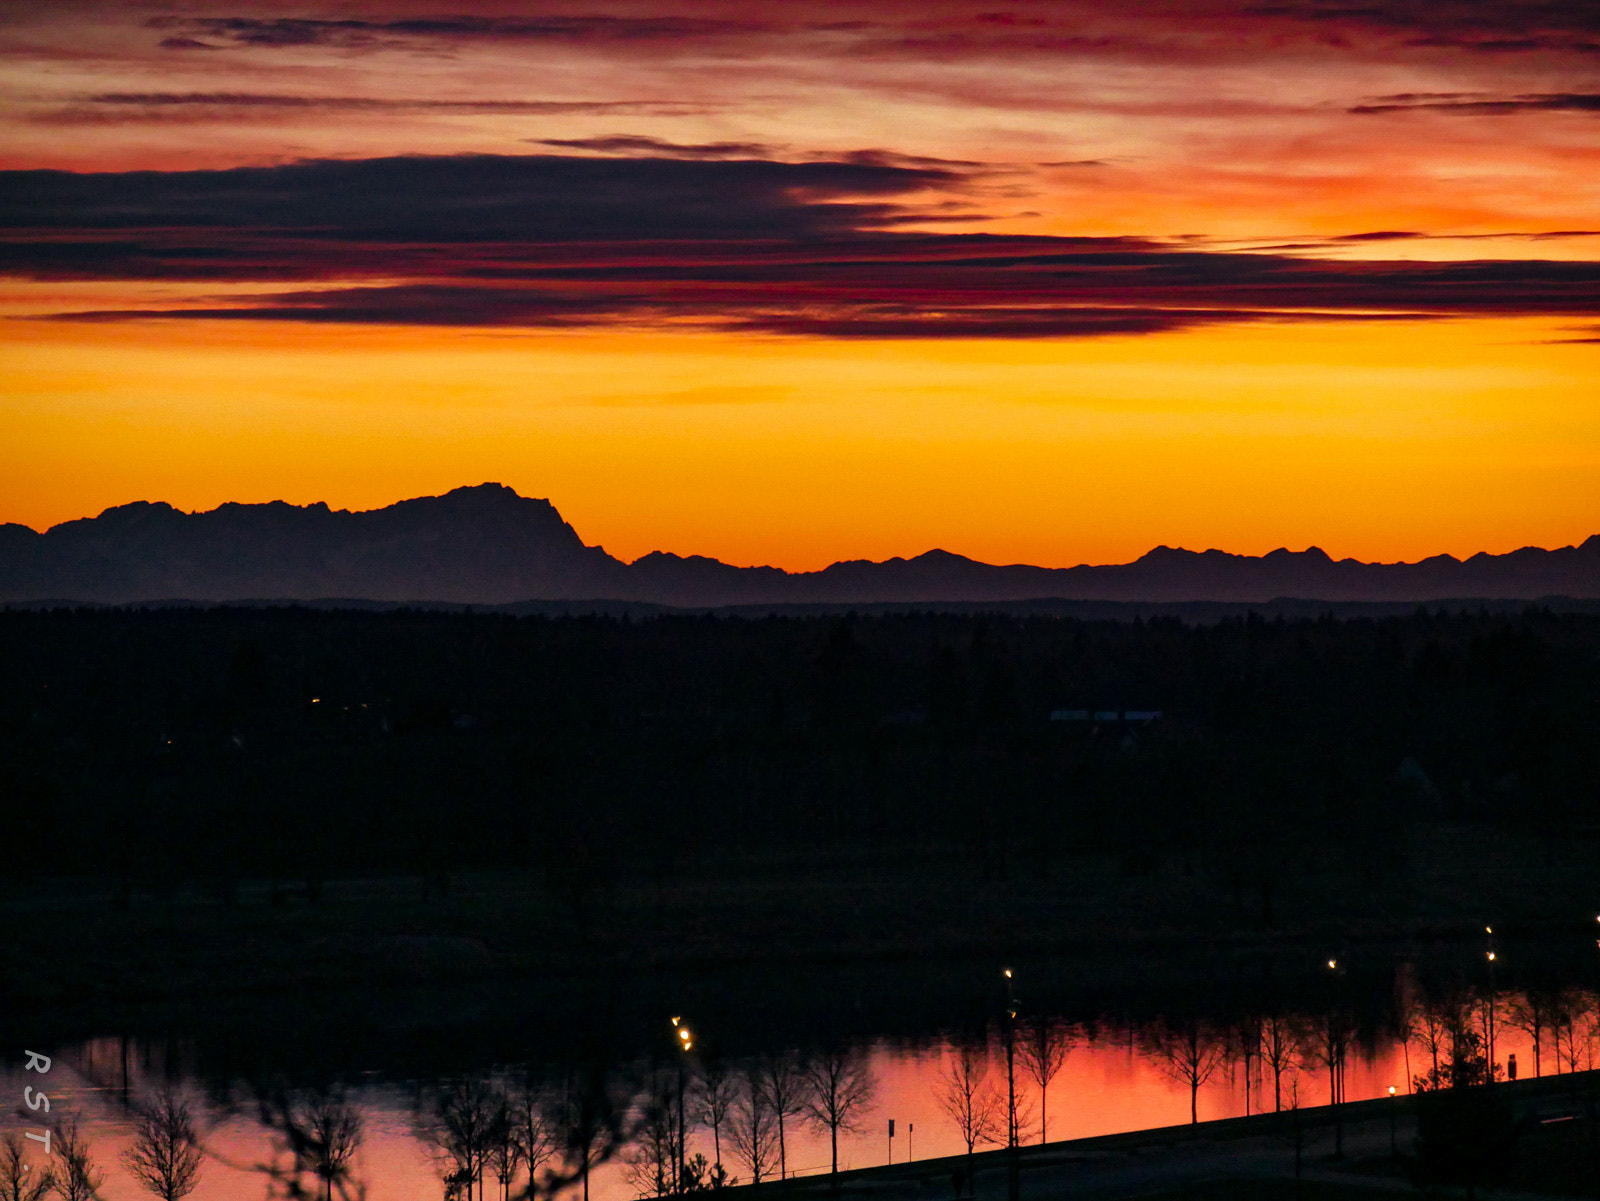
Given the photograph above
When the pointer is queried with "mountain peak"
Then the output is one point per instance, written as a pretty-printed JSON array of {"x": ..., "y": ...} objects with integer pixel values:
[{"x": 487, "y": 544}]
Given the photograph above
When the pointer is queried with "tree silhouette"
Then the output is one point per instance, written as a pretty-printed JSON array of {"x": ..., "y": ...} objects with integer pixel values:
[
  {"x": 1279, "y": 1048},
  {"x": 537, "y": 1134},
  {"x": 1328, "y": 1044},
  {"x": 839, "y": 1091},
  {"x": 78, "y": 1179},
  {"x": 717, "y": 1090},
  {"x": 1429, "y": 1024},
  {"x": 970, "y": 1101},
  {"x": 1533, "y": 1013},
  {"x": 19, "y": 1180},
  {"x": 165, "y": 1156},
  {"x": 330, "y": 1131},
  {"x": 753, "y": 1130},
  {"x": 594, "y": 1120},
  {"x": 1189, "y": 1054},
  {"x": 784, "y": 1086},
  {"x": 505, "y": 1154},
  {"x": 1466, "y": 1061},
  {"x": 651, "y": 1162},
  {"x": 1577, "y": 1020},
  {"x": 465, "y": 1126},
  {"x": 1043, "y": 1049}
]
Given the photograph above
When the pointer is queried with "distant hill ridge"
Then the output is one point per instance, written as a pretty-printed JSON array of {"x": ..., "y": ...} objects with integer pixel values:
[{"x": 488, "y": 545}]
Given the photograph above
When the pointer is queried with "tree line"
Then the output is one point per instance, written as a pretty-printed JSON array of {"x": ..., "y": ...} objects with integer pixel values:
[
  {"x": 200, "y": 744},
  {"x": 496, "y": 1136}
]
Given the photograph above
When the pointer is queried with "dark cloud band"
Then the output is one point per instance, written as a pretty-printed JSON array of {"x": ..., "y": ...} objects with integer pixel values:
[
  {"x": 799, "y": 248},
  {"x": 1476, "y": 105},
  {"x": 186, "y": 33}
]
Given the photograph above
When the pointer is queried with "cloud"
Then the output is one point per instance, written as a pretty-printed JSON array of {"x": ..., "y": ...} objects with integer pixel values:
[
  {"x": 167, "y": 100},
  {"x": 1380, "y": 235},
  {"x": 809, "y": 248},
  {"x": 1488, "y": 26},
  {"x": 114, "y": 108},
  {"x": 640, "y": 146},
  {"x": 275, "y": 33},
  {"x": 435, "y": 305},
  {"x": 536, "y": 198},
  {"x": 1478, "y": 104}
]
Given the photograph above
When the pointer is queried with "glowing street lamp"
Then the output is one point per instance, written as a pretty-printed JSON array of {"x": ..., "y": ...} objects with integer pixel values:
[
  {"x": 685, "y": 1044},
  {"x": 1013, "y": 1184},
  {"x": 1488, "y": 1017},
  {"x": 1336, "y": 1052},
  {"x": 1394, "y": 1151}
]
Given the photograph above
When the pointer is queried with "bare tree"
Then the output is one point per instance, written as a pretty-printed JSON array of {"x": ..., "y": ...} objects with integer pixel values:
[
  {"x": 784, "y": 1087},
  {"x": 1190, "y": 1055},
  {"x": 1328, "y": 1044},
  {"x": 464, "y": 1129},
  {"x": 1575, "y": 1030},
  {"x": 753, "y": 1130},
  {"x": 1533, "y": 1012},
  {"x": 1043, "y": 1050},
  {"x": 651, "y": 1164},
  {"x": 1279, "y": 1049},
  {"x": 839, "y": 1092},
  {"x": 78, "y": 1179},
  {"x": 970, "y": 1101},
  {"x": 717, "y": 1092},
  {"x": 19, "y": 1181},
  {"x": 592, "y": 1123},
  {"x": 1431, "y": 1024},
  {"x": 537, "y": 1134},
  {"x": 505, "y": 1155},
  {"x": 329, "y": 1134},
  {"x": 165, "y": 1156}
]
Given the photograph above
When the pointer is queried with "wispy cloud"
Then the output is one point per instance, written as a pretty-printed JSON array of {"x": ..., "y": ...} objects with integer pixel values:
[
  {"x": 640, "y": 146},
  {"x": 190, "y": 33},
  {"x": 1480, "y": 104},
  {"x": 110, "y": 108}
]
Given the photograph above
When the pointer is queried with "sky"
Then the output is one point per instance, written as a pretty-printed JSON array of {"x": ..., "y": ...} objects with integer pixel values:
[{"x": 786, "y": 283}]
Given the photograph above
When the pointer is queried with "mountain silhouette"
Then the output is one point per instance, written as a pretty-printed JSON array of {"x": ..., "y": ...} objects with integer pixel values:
[{"x": 488, "y": 545}]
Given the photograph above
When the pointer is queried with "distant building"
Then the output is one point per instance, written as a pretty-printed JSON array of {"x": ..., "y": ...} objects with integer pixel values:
[{"x": 1141, "y": 717}]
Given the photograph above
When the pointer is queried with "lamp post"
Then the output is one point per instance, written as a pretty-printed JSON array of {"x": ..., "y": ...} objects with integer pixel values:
[
  {"x": 1335, "y": 1048},
  {"x": 1488, "y": 1017},
  {"x": 685, "y": 1045},
  {"x": 1013, "y": 1183},
  {"x": 1394, "y": 1149}
]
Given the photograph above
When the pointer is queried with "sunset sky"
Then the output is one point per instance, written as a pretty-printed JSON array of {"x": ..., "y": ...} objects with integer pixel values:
[{"x": 793, "y": 282}]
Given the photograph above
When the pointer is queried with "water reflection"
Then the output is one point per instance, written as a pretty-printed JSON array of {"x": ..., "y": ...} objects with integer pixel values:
[{"x": 643, "y": 1128}]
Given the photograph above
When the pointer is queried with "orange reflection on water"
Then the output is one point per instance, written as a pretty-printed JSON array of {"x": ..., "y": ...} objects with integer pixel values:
[{"x": 1109, "y": 1085}]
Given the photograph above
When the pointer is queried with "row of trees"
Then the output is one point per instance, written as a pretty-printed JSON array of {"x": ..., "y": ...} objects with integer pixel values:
[
  {"x": 74, "y": 1178},
  {"x": 320, "y": 1136},
  {"x": 754, "y": 1107},
  {"x": 481, "y": 1131},
  {"x": 1452, "y": 1031},
  {"x": 533, "y": 1140},
  {"x": 196, "y": 746}
]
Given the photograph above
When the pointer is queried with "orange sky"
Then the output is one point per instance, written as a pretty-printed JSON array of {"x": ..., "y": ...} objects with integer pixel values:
[{"x": 699, "y": 318}]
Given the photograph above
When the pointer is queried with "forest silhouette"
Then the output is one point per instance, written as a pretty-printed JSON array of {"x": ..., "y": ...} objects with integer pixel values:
[{"x": 212, "y": 746}]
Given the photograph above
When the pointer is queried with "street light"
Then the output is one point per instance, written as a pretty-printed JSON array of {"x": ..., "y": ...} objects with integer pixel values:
[
  {"x": 1335, "y": 1046},
  {"x": 1488, "y": 1019},
  {"x": 1013, "y": 1184},
  {"x": 685, "y": 1044},
  {"x": 1394, "y": 1152}
]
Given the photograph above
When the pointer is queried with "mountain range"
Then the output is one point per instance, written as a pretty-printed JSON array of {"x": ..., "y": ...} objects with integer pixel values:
[{"x": 488, "y": 545}]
